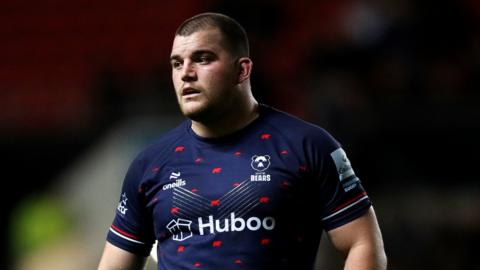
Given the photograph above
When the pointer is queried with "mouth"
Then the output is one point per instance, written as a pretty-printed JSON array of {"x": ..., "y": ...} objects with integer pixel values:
[{"x": 189, "y": 91}]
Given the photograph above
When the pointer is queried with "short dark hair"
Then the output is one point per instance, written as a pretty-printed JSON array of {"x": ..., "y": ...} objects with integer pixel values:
[{"x": 232, "y": 32}]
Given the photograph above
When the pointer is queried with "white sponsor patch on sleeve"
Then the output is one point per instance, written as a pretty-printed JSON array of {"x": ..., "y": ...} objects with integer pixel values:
[
  {"x": 122, "y": 205},
  {"x": 345, "y": 171}
]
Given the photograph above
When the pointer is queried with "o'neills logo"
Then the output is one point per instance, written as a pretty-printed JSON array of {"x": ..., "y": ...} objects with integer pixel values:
[
  {"x": 234, "y": 224},
  {"x": 179, "y": 182}
]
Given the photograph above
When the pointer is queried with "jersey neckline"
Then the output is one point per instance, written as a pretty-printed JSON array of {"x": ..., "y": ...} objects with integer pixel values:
[{"x": 229, "y": 138}]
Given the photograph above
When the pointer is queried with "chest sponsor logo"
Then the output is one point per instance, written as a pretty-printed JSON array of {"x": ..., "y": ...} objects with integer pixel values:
[
  {"x": 179, "y": 182},
  {"x": 181, "y": 229},
  {"x": 234, "y": 224},
  {"x": 201, "y": 215},
  {"x": 260, "y": 164}
]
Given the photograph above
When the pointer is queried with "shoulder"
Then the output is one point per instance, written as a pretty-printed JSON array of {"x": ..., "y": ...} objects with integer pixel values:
[
  {"x": 299, "y": 130},
  {"x": 162, "y": 146}
]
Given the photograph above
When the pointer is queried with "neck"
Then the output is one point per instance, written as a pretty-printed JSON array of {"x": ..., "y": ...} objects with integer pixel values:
[{"x": 228, "y": 122}]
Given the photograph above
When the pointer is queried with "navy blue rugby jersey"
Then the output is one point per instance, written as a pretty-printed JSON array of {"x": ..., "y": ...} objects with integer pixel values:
[{"x": 258, "y": 199}]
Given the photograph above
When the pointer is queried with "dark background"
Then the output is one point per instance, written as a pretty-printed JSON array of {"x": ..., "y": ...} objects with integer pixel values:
[{"x": 395, "y": 81}]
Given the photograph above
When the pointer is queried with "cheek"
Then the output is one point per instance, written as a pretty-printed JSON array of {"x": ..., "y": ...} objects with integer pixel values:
[
  {"x": 177, "y": 82},
  {"x": 219, "y": 78},
  {"x": 175, "y": 77}
]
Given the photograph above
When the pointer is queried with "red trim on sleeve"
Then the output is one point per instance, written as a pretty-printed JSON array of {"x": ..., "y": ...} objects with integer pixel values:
[
  {"x": 350, "y": 201},
  {"x": 125, "y": 233}
]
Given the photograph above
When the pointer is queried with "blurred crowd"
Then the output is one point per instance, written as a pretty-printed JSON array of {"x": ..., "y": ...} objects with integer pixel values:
[{"x": 395, "y": 81}]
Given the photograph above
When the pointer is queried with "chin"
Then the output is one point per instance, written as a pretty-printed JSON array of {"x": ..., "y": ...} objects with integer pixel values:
[{"x": 196, "y": 112}]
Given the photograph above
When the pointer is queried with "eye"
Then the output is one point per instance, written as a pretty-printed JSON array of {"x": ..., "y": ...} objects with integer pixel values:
[
  {"x": 205, "y": 59},
  {"x": 176, "y": 64}
]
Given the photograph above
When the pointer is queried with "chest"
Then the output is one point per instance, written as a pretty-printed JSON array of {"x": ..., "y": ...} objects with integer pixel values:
[{"x": 216, "y": 183}]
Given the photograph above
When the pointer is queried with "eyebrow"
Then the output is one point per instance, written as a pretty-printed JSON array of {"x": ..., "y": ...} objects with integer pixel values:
[{"x": 175, "y": 57}]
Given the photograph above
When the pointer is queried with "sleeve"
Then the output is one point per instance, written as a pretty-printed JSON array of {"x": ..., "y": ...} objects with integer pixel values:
[
  {"x": 342, "y": 196},
  {"x": 132, "y": 227}
]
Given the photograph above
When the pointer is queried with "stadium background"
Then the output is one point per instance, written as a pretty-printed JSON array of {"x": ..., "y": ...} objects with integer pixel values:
[{"x": 84, "y": 85}]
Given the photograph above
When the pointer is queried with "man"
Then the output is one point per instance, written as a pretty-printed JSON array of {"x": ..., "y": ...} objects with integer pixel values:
[{"x": 238, "y": 184}]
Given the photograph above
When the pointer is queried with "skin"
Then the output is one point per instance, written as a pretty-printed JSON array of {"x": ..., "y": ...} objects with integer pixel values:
[
  {"x": 361, "y": 243},
  {"x": 223, "y": 101},
  {"x": 115, "y": 258},
  {"x": 212, "y": 86}
]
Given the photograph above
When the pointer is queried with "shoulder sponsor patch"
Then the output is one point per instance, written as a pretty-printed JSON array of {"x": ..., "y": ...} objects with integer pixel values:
[{"x": 345, "y": 171}]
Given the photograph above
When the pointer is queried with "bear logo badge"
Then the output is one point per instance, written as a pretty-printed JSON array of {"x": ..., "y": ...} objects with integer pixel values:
[{"x": 260, "y": 163}]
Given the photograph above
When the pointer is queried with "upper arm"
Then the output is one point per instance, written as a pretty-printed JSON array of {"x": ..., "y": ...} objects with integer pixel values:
[
  {"x": 115, "y": 258},
  {"x": 132, "y": 228},
  {"x": 361, "y": 237}
]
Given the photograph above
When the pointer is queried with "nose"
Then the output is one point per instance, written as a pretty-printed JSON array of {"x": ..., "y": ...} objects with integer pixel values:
[{"x": 188, "y": 72}]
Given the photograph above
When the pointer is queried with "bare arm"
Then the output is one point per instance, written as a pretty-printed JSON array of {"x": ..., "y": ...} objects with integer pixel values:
[
  {"x": 115, "y": 258},
  {"x": 361, "y": 242}
]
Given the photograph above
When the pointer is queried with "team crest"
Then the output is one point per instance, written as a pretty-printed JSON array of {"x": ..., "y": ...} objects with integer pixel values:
[{"x": 260, "y": 164}]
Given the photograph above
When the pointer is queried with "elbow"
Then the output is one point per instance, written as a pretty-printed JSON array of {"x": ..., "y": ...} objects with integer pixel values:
[
  {"x": 382, "y": 260},
  {"x": 378, "y": 256},
  {"x": 372, "y": 257}
]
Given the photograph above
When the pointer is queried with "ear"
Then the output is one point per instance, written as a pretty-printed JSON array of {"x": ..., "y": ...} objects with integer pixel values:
[{"x": 245, "y": 64}]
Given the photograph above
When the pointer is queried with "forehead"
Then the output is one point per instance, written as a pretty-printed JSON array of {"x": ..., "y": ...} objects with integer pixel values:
[{"x": 204, "y": 40}]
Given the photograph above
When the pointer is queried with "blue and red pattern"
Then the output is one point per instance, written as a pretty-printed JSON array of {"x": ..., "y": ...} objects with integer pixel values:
[{"x": 258, "y": 199}]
